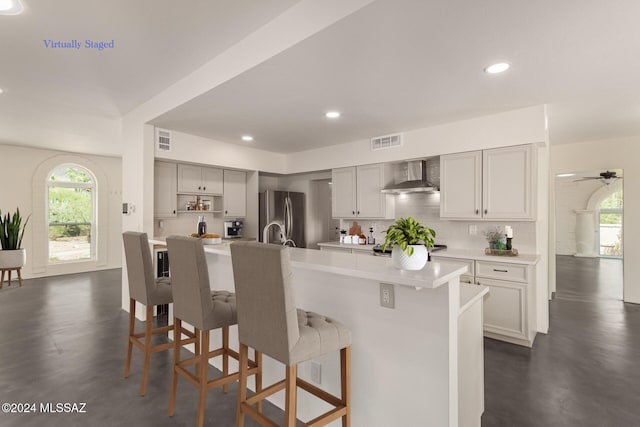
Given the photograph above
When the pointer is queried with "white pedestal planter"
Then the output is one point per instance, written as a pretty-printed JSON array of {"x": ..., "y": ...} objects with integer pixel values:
[
  {"x": 13, "y": 259},
  {"x": 414, "y": 262}
]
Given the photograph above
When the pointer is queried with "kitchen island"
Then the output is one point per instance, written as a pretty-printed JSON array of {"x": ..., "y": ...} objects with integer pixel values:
[{"x": 418, "y": 364}]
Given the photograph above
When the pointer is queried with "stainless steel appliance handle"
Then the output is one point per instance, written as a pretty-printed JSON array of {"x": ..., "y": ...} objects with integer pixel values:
[{"x": 288, "y": 218}]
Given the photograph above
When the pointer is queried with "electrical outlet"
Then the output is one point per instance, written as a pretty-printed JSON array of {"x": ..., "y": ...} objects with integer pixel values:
[
  {"x": 387, "y": 297},
  {"x": 473, "y": 230},
  {"x": 316, "y": 372}
]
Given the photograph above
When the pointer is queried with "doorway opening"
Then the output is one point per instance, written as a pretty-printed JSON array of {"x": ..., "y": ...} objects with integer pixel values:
[{"x": 610, "y": 214}]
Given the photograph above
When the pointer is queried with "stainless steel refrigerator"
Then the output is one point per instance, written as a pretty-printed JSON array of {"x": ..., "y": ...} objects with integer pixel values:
[{"x": 287, "y": 208}]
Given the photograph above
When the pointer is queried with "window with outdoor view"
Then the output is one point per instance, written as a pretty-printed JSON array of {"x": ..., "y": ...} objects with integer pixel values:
[
  {"x": 71, "y": 214},
  {"x": 610, "y": 225}
]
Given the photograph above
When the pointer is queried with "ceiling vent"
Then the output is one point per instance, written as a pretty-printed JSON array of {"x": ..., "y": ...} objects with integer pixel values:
[
  {"x": 163, "y": 140},
  {"x": 386, "y": 141}
]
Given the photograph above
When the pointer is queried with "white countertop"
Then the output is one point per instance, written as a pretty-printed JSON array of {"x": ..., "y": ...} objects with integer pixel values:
[
  {"x": 364, "y": 266},
  {"x": 347, "y": 246},
  {"x": 478, "y": 255}
]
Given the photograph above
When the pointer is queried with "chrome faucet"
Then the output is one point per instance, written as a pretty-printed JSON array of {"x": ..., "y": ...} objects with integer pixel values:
[{"x": 265, "y": 232}]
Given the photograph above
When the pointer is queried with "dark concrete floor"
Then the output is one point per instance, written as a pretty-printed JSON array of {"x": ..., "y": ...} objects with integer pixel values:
[
  {"x": 586, "y": 371},
  {"x": 63, "y": 339}
]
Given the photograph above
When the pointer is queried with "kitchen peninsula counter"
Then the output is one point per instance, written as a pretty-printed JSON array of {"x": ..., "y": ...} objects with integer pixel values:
[{"x": 419, "y": 364}]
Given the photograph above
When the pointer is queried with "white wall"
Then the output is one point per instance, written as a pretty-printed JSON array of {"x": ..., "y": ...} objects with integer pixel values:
[
  {"x": 19, "y": 164},
  {"x": 610, "y": 154},
  {"x": 516, "y": 127}
]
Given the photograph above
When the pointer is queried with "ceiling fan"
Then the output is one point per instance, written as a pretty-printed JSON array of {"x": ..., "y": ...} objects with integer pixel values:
[{"x": 606, "y": 177}]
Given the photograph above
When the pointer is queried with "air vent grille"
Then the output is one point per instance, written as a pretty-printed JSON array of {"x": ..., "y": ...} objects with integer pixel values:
[
  {"x": 163, "y": 139},
  {"x": 386, "y": 141}
]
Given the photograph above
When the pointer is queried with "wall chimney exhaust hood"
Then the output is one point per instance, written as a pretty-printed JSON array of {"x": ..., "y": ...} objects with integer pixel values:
[{"x": 415, "y": 180}]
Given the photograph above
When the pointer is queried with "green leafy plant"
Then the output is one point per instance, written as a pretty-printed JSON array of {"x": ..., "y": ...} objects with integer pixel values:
[
  {"x": 495, "y": 236},
  {"x": 12, "y": 230},
  {"x": 407, "y": 231}
]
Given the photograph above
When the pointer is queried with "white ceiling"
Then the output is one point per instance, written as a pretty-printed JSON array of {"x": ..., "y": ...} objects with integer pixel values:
[{"x": 394, "y": 65}]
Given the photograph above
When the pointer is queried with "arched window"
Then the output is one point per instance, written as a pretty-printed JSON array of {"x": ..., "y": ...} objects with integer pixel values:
[
  {"x": 610, "y": 225},
  {"x": 71, "y": 207}
]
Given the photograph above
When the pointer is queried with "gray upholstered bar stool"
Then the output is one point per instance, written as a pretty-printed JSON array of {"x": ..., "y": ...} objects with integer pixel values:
[
  {"x": 146, "y": 290},
  {"x": 269, "y": 322},
  {"x": 196, "y": 304}
]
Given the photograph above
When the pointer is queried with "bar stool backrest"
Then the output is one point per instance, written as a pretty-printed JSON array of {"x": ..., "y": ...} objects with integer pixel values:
[
  {"x": 189, "y": 280},
  {"x": 139, "y": 266},
  {"x": 267, "y": 314}
]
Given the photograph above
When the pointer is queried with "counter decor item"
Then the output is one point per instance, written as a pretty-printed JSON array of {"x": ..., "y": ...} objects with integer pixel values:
[
  {"x": 410, "y": 242},
  {"x": 12, "y": 256},
  {"x": 500, "y": 242},
  {"x": 495, "y": 236}
]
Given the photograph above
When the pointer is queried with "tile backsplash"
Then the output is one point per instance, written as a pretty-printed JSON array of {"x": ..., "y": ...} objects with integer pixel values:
[{"x": 455, "y": 234}]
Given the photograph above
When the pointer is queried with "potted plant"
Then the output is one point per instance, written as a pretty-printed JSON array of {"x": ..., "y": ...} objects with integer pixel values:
[
  {"x": 495, "y": 237},
  {"x": 12, "y": 228},
  {"x": 410, "y": 242}
]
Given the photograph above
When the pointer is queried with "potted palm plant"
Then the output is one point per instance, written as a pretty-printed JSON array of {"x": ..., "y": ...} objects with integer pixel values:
[
  {"x": 12, "y": 228},
  {"x": 410, "y": 242}
]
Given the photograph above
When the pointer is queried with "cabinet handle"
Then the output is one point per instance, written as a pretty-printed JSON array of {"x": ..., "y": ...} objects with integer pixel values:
[
  {"x": 485, "y": 211},
  {"x": 174, "y": 211},
  {"x": 225, "y": 212},
  {"x": 353, "y": 212},
  {"x": 358, "y": 212},
  {"x": 477, "y": 211},
  {"x": 204, "y": 188},
  {"x": 199, "y": 187},
  {"x": 500, "y": 271}
]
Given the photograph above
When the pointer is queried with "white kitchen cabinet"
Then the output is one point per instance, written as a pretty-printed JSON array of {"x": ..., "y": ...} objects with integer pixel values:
[
  {"x": 496, "y": 184},
  {"x": 164, "y": 190},
  {"x": 507, "y": 183},
  {"x": 356, "y": 192},
  {"x": 235, "y": 194},
  {"x": 509, "y": 310},
  {"x": 199, "y": 180},
  {"x": 461, "y": 185}
]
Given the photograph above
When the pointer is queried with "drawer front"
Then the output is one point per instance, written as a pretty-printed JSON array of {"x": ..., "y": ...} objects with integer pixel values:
[
  {"x": 460, "y": 262},
  {"x": 502, "y": 271}
]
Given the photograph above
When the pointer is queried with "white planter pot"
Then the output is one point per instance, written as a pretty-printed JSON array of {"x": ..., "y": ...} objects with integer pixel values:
[
  {"x": 13, "y": 259},
  {"x": 414, "y": 262}
]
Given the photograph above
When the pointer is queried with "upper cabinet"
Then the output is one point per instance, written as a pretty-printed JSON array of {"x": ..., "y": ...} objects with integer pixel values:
[
  {"x": 235, "y": 194},
  {"x": 164, "y": 196},
  {"x": 496, "y": 184},
  {"x": 199, "y": 180},
  {"x": 356, "y": 192}
]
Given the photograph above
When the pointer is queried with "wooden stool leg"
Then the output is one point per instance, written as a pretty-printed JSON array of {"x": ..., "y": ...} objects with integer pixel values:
[
  {"x": 132, "y": 323},
  {"x": 345, "y": 384},
  {"x": 2, "y": 278},
  {"x": 147, "y": 349},
  {"x": 225, "y": 356},
  {"x": 196, "y": 348},
  {"x": 19, "y": 277},
  {"x": 177, "y": 336},
  {"x": 257, "y": 356},
  {"x": 204, "y": 365},
  {"x": 243, "y": 365},
  {"x": 9, "y": 278},
  {"x": 290, "y": 398}
]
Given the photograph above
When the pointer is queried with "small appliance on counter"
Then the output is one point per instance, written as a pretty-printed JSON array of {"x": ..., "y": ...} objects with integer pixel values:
[{"x": 233, "y": 229}]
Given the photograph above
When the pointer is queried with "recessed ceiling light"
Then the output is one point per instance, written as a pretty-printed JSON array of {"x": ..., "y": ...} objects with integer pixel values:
[
  {"x": 1, "y": 91},
  {"x": 10, "y": 7},
  {"x": 247, "y": 138},
  {"x": 333, "y": 114},
  {"x": 564, "y": 175},
  {"x": 500, "y": 67}
]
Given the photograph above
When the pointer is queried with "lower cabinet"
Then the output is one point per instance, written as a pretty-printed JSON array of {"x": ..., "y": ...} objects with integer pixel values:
[
  {"x": 356, "y": 249},
  {"x": 509, "y": 308}
]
